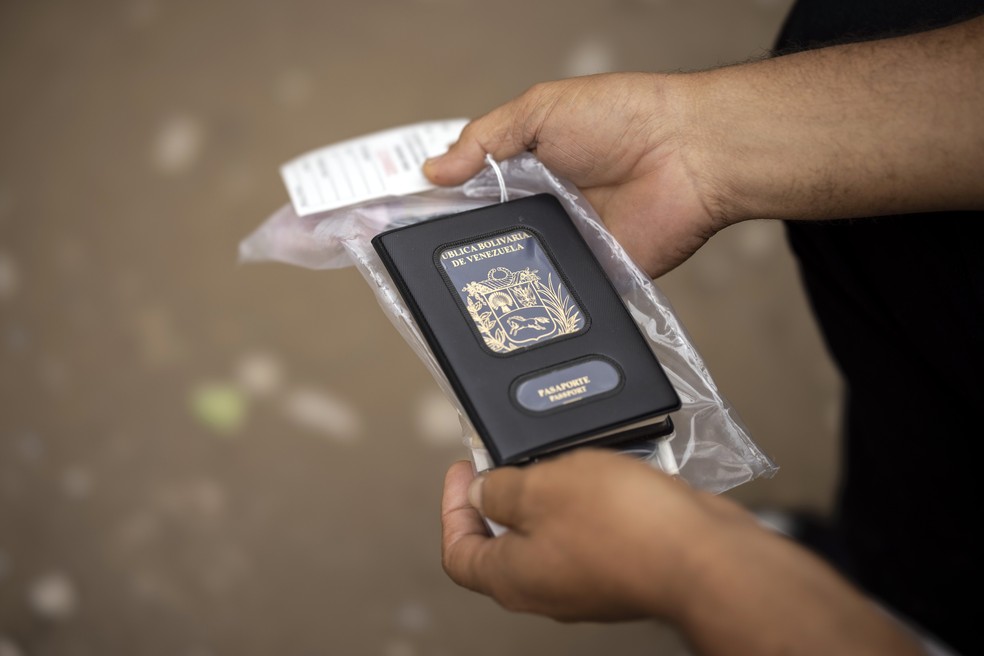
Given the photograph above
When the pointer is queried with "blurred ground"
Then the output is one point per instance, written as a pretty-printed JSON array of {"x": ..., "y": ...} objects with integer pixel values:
[{"x": 201, "y": 458}]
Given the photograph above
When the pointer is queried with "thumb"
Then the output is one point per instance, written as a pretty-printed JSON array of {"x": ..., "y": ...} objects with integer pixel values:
[
  {"x": 500, "y": 495},
  {"x": 499, "y": 133}
]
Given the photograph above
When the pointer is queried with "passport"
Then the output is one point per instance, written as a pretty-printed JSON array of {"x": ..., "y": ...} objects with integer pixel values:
[{"x": 529, "y": 331}]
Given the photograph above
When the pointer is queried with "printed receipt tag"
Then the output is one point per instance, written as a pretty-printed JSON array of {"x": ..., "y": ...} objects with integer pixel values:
[{"x": 385, "y": 163}]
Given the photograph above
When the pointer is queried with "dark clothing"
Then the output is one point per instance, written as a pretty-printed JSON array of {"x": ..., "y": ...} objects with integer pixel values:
[
  {"x": 818, "y": 23},
  {"x": 900, "y": 301}
]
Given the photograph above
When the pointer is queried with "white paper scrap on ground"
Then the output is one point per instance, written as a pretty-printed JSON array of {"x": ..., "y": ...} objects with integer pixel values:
[{"x": 386, "y": 163}]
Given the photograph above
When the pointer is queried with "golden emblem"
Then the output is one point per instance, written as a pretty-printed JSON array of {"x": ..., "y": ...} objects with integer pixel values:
[{"x": 514, "y": 309}]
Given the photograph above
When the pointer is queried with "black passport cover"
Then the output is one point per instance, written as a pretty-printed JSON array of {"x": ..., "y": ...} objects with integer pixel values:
[{"x": 529, "y": 331}]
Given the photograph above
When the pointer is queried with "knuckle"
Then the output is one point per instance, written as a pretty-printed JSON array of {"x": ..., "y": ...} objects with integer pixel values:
[
  {"x": 519, "y": 491},
  {"x": 470, "y": 132},
  {"x": 451, "y": 562},
  {"x": 511, "y": 601},
  {"x": 535, "y": 90},
  {"x": 446, "y": 562}
]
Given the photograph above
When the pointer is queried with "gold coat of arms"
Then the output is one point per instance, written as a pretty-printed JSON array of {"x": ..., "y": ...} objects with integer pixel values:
[{"x": 515, "y": 309}]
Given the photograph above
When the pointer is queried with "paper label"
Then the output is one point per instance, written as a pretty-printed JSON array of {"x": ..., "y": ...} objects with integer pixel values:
[{"x": 385, "y": 163}]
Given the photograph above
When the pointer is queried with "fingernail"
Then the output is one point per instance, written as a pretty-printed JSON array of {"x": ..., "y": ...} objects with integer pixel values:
[{"x": 475, "y": 492}]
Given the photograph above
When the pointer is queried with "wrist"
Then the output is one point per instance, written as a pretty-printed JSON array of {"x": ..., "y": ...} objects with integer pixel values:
[
  {"x": 678, "y": 580},
  {"x": 843, "y": 131},
  {"x": 762, "y": 141},
  {"x": 705, "y": 150},
  {"x": 758, "y": 593}
]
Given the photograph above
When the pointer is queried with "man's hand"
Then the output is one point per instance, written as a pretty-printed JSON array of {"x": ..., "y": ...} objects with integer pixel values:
[
  {"x": 618, "y": 138},
  {"x": 593, "y": 536},
  {"x": 600, "y": 536},
  {"x": 867, "y": 129}
]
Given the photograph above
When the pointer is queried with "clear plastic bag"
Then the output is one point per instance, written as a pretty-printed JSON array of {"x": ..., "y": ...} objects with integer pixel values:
[{"x": 711, "y": 445}]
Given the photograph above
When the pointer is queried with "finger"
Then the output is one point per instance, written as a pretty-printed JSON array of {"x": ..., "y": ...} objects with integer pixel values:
[
  {"x": 463, "y": 532},
  {"x": 503, "y": 497},
  {"x": 459, "y": 517},
  {"x": 498, "y": 133}
]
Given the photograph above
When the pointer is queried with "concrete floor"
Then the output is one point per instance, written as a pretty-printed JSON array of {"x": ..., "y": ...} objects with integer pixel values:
[{"x": 199, "y": 458}]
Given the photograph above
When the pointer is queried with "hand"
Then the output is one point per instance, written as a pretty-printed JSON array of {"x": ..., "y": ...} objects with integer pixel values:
[
  {"x": 593, "y": 536},
  {"x": 596, "y": 535},
  {"x": 669, "y": 160},
  {"x": 618, "y": 137}
]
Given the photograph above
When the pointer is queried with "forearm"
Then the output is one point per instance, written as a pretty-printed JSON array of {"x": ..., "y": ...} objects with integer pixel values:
[
  {"x": 883, "y": 127},
  {"x": 757, "y": 594}
]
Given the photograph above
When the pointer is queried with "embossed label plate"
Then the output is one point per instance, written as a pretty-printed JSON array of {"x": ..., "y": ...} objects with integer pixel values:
[
  {"x": 558, "y": 387},
  {"x": 511, "y": 290}
]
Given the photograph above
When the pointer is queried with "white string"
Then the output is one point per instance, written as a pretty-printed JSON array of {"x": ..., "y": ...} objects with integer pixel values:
[
  {"x": 664, "y": 455},
  {"x": 503, "y": 194}
]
